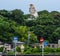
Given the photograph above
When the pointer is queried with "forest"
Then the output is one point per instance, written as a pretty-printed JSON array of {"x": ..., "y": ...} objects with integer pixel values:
[{"x": 16, "y": 23}]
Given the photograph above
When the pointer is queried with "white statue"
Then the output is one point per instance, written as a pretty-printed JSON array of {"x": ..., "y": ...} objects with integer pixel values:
[{"x": 33, "y": 11}]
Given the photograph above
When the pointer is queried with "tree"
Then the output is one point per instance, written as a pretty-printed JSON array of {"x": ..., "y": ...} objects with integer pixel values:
[
  {"x": 46, "y": 24},
  {"x": 23, "y": 31},
  {"x": 17, "y": 16},
  {"x": 4, "y": 13},
  {"x": 56, "y": 35},
  {"x": 6, "y": 29}
]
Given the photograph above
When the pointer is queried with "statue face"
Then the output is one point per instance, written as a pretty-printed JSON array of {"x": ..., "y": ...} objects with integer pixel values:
[{"x": 32, "y": 9}]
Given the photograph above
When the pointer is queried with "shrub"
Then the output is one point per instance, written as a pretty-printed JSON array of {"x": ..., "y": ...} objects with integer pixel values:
[
  {"x": 28, "y": 50},
  {"x": 18, "y": 49},
  {"x": 57, "y": 49},
  {"x": 11, "y": 52},
  {"x": 47, "y": 49},
  {"x": 35, "y": 50},
  {"x": 1, "y": 49}
]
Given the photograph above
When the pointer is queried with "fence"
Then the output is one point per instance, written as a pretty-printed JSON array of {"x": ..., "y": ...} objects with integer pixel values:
[{"x": 32, "y": 55}]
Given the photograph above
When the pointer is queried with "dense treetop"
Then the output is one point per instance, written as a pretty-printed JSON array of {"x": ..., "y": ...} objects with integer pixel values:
[{"x": 16, "y": 23}]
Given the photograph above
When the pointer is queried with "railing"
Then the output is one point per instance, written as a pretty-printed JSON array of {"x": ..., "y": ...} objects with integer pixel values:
[{"x": 31, "y": 55}]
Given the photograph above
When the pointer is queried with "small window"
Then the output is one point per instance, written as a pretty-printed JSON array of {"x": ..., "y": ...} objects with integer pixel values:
[
  {"x": 48, "y": 45},
  {"x": 52, "y": 45}
]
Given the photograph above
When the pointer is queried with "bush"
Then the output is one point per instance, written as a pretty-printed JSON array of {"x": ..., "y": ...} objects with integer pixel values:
[
  {"x": 53, "y": 49},
  {"x": 28, "y": 50},
  {"x": 35, "y": 50},
  {"x": 11, "y": 52},
  {"x": 1, "y": 49},
  {"x": 50, "y": 50},
  {"x": 47, "y": 49},
  {"x": 38, "y": 50},
  {"x": 57, "y": 49},
  {"x": 18, "y": 49}
]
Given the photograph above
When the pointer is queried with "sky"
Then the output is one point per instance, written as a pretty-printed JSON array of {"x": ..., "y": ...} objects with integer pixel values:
[{"x": 50, "y": 5}]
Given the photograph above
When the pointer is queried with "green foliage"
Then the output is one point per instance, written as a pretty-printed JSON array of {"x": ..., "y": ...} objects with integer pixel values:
[
  {"x": 27, "y": 50},
  {"x": 17, "y": 16},
  {"x": 35, "y": 50},
  {"x": 38, "y": 50},
  {"x": 11, "y": 52},
  {"x": 23, "y": 34},
  {"x": 4, "y": 13},
  {"x": 10, "y": 28},
  {"x": 15, "y": 23},
  {"x": 31, "y": 50},
  {"x": 47, "y": 49},
  {"x": 57, "y": 49},
  {"x": 18, "y": 49},
  {"x": 46, "y": 25},
  {"x": 1, "y": 49},
  {"x": 6, "y": 29}
]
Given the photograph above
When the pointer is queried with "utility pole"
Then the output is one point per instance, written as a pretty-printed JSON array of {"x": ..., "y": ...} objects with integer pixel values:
[
  {"x": 15, "y": 48},
  {"x": 43, "y": 49},
  {"x": 29, "y": 37},
  {"x": 15, "y": 41},
  {"x": 42, "y": 42}
]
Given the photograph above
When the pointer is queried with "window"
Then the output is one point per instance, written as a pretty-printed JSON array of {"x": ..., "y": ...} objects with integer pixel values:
[{"x": 52, "y": 45}]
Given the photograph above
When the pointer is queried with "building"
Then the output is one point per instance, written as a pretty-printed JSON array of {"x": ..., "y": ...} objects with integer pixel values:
[{"x": 52, "y": 45}]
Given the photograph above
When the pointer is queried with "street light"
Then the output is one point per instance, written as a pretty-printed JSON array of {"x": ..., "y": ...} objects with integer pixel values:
[{"x": 15, "y": 41}]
